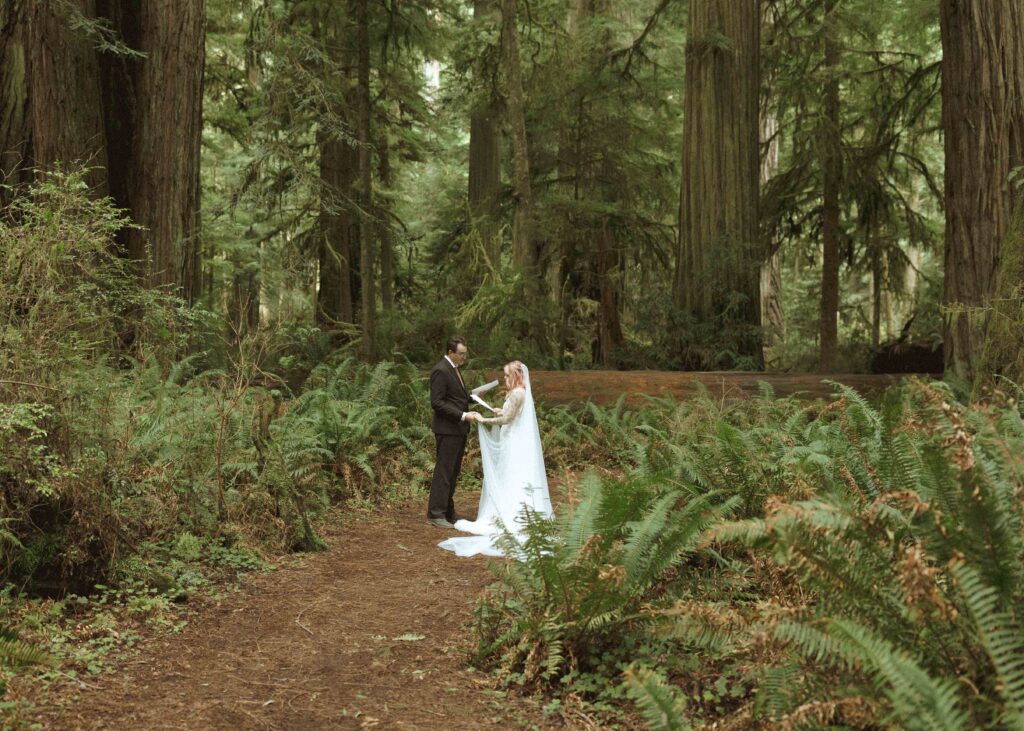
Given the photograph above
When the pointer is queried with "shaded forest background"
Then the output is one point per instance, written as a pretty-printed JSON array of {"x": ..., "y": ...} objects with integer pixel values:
[{"x": 580, "y": 184}]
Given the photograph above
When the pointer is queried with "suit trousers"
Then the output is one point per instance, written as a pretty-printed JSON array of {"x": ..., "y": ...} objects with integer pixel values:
[{"x": 450, "y": 448}]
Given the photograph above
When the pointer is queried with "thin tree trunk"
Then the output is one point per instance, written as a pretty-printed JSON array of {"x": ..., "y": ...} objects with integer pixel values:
[
  {"x": 719, "y": 257},
  {"x": 877, "y": 287},
  {"x": 608, "y": 272},
  {"x": 983, "y": 124},
  {"x": 773, "y": 320},
  {"x": 367, "y": 258},
  {"x": 522, "y": 253},
  {"x": 831, "y": 165},
  {"x": 485, "y": 156},
  {"x": 387, "y": 253}
]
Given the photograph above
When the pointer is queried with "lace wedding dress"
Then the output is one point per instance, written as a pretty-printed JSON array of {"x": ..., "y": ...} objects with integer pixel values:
[{"x": 514, "y": 476}]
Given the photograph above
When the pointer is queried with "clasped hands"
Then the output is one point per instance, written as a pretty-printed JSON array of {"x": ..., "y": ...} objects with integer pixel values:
[{"x": 474, "y": 416}]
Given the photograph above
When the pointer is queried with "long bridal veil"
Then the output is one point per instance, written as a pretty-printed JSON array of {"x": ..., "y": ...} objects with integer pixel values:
[{"x": 514, "y": 480}]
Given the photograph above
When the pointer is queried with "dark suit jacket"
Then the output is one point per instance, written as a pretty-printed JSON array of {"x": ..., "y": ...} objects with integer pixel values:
[{"x": 448, "y": 399}]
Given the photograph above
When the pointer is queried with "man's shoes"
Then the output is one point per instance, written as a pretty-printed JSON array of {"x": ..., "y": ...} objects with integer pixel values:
[
  {"x": 456, "y": 518},
  {"x": 440, "y": 522}
]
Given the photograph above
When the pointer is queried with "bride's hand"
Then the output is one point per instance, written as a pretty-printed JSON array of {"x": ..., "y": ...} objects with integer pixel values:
[{"x": 497, "y": 412}]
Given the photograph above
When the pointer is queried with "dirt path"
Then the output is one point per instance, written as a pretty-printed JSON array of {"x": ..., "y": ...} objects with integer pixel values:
[{"x": 325, "y": 642}]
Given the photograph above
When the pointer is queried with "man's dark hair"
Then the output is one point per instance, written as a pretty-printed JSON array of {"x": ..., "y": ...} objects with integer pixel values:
[{"x": 454, "y": 342}]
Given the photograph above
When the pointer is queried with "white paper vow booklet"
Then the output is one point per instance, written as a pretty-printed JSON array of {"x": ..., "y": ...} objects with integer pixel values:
[{"x": 475, "y": 394}]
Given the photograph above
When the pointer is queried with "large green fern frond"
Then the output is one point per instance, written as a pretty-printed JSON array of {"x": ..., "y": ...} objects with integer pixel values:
[{"x": 660, "y": 704}]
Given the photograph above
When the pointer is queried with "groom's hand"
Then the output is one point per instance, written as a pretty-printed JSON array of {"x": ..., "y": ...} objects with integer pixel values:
[{"x": 472, "y": 416}]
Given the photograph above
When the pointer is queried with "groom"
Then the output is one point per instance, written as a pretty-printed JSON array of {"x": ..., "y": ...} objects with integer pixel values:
[{"x": 449, "y": 400}]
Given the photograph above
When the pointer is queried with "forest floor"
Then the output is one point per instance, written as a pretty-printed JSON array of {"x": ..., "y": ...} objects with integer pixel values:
[{"x": 372, "y": 633}]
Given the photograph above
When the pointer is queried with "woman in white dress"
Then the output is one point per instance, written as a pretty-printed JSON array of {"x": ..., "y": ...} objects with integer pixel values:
[{"x": 513, "y": 465}]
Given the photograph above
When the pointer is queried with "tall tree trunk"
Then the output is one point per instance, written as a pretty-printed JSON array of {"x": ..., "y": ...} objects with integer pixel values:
[
  {"x": 1002, "y": 351},
  {"x": 515, "y": 100},
  {"x": 719, "y": 257},
  {"x": 773, "y": 320},
  {"x": 609, "y": 274},
  {"x": 339, "y": 162},
  {"x": 50, "y": 110},
  {"x": 485, "y": 156},
  {"x": 983, "y": 124},
  {"x": 877, "y": 285},
  {"x": 367, "y": 258},
  {"x": 387, "y": 249},
  {"x": 831, "y": 167},
  {"x": 155, "y": 134}
]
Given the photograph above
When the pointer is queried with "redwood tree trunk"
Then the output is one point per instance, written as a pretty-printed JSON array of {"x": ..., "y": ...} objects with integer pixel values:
[
  {"x": 367, "y": 255},
  {"x": 485, "y": 158},
  {"x": 338, "y": 162},
  {"x": 336, "y": 224},
  {"x": 50, "y": 110},
  {"x": 983, "y": 123},
  {"x": 831, "y": 167},
  {"x": 387, "y": 249},
  {"x": 154, "y": 121},
  {"x": 515, "y": 101},
  {"x": 719, "y": 256}
]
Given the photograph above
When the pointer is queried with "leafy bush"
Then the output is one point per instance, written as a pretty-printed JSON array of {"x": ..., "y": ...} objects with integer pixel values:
[{"x": 117, "y": 435}]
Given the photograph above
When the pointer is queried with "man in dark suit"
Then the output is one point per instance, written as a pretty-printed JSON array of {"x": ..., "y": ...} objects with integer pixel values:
[{"x": 449, "y": 400}]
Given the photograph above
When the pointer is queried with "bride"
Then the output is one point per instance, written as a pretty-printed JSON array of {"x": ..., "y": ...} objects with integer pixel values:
[{"x": 514, "y": 476}]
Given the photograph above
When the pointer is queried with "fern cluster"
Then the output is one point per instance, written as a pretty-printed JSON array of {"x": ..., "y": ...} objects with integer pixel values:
[{"x": 849, "y": 564}]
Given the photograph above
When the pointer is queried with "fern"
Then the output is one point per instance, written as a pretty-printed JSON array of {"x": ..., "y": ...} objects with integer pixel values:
[
  {"x": 661, "y": 706},
  {"x": 15, "y": 653}
]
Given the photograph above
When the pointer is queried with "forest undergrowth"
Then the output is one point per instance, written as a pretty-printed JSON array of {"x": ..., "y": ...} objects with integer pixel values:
[
  {"x": 778, "y": 564},
  {"x": 768, "y": 563}
]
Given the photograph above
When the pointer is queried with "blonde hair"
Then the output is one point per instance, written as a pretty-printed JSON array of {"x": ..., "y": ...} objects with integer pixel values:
[{"x": 514, "y": 369}]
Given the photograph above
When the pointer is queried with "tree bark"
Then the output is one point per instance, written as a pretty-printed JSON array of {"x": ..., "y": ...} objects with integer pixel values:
[
  {"x": 1002, "y": 352},
  {"x": 983, "y": 124},
  {"x": 773, "y": 319},
  {"x": 387, "y": 249},
  {"x": 50, "y": 111},
  {"x": 485, "y": 157},
  {"x": 338, "y": 163},
  {"x": 515, "y": 100},
  {"x": 719, "y": 256},
  {"x": 367, "y": 255},
  {"x": 831, "y": 168},
  {"x": 336, "y": 225},
  {"x": 154, "y": 125},
  {"x": 609, "y": 275}
]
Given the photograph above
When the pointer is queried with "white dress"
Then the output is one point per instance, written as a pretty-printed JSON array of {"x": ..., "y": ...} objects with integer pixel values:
[{"x": 514, "y": 477}]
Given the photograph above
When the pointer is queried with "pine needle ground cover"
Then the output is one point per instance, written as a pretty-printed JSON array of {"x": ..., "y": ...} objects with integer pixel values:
[{"x": 773, "y": 564}]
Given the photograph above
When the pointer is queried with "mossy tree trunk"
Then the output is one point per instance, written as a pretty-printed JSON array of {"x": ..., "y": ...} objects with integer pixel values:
[
  {"x": 831, "y": 172},
  {"x": 336, "y": 225},
  {"x": 154, "y": 133},
  {"x": 367, "y": 252},
  {"x": 50, "y": 113},
  {"x": 485, "y": 153},
  {"x": 983, "y": 125},
  {"x": 515, "y": 104},
  {"x": 1002, "y": 352},
  {"x": 719, "y": 255}
]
